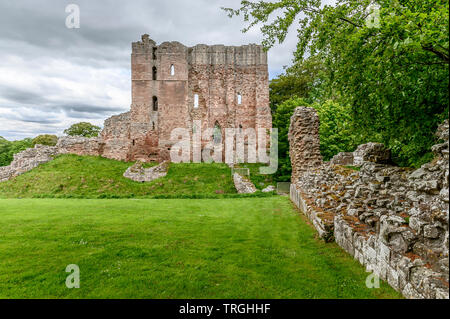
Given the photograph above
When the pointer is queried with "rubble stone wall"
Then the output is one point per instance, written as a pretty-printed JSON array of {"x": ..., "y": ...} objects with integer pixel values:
[
  {"x": 80, "y": 145},
  {"x": 27, "y": 160},
  {"x": 393, "y": 220},
  {"x": 243, "y": 185},
  {"x": 138, "y": 173}
]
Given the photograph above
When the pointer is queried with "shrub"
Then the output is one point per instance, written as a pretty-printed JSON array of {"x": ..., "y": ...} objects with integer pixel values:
[{"x": 45, "y": 139}]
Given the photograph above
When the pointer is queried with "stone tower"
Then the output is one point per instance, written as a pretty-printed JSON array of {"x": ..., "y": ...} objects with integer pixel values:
[{"x": 173, "y": 86}]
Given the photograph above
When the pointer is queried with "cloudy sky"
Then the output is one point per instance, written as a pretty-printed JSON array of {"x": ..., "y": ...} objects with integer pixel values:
[{"x": 52, "y": 76}]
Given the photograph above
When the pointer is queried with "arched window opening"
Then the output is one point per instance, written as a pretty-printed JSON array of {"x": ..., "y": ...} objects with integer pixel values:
[
  {"x": 155, "y": 103},
  {"x": 153, "y": 126},
  {"x": 240, "y": 128},
  {"x": 217, "y": 134},
  {"x": 172, "y": 70},
  {"x": 239, "y": 99},
  {"x": 134, "y": 142},
  {"x": 195, "y": 100},
  {"x": 154, "y": 73},
  {"x": 154, "y": 53}
]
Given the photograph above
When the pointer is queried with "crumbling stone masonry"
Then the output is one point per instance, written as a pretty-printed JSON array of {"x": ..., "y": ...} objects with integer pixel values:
[
  {"x": 27, "y": 160},
  {"x": 393, "y": 220},
  {"x": 174, "y": 86},
  {"x": 138, "y": 173},
  {"x": 243, "y": 185},
  {"x": 304, "y": 139}
]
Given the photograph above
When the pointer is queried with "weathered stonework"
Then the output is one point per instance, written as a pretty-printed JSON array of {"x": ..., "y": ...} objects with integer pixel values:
[
  {"x": 392, "y": 220},
  {"x": 174, "y": 86},
  {"x": 371, "y": 152},
  {"x": 27, "y": 160},
  {"x": 342, "y": 158},
  {"x": 304, "y": 139},
  {"x": 80, "y": 145},
  {"x": 243, "y": 185},
  {"x": 269, "y": 189},
  {"x": 140, "y": 174}
]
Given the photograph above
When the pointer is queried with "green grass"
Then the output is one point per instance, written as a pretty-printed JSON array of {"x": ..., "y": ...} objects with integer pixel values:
[
  {"x": 97, "y": 177},
  {"x": 179, "y": 248}
]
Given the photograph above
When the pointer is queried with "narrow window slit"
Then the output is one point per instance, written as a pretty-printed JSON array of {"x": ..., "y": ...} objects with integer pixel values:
[
  {"x": 155, "y": 103},
  {"x": 195, "y": 100}
]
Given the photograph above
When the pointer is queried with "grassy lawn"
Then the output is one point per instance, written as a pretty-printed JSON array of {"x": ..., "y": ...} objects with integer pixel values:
[
  {"x": 97, "y": 177},
  {"x": 178, "y": 248}
]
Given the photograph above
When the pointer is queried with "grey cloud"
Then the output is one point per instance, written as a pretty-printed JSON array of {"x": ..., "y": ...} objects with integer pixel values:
[
  {"x": 21, "y": 96},
  {"x": 94, "y": 82},
  {"x": 80, "y": 108}
]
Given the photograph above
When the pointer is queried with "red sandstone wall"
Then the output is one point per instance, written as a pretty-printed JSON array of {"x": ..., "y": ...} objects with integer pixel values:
[{"x": 216, "y": 73}]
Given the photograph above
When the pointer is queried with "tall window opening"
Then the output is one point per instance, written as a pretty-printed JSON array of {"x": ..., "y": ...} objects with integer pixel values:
[
  {"x": 195, "y": 100},
  {"x": 172, "y": 70},
  {"x": 239, "y": 99},
  {"x": 154, "y": 73},
  {"x": 154, "y": 54},
  {"x": 155, "y": 103},
  {"x": 217, "y": 134}
]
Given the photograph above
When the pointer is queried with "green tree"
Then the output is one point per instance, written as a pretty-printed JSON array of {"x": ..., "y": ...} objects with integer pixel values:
[
  {"x": 299, "y": 80},
  {"x": 45, "y": 139},
  {"x": 84, "y": 129},
  {"x": 336, "y": 132},
  {"x": 388, "y": 64}
]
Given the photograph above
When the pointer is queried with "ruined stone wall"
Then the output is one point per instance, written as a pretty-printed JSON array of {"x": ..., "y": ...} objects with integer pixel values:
[
  {"x": 116, "y": 137},
  {"x": 218, "y": 74},
  {"x": 304, "y": 141},
  {"x": 163, "y": 100},
  {"x": 393, "y": 220},
  {"x": 27, "y": 160},
  {"x": 80, "y": 145}
]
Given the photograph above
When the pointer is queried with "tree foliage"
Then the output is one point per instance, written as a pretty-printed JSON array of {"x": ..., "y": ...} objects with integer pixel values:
[
  {"x": 281, "y": 120},
  {"x": 84, "y": 129},
  {"x": 336, "y": 131},
  {"x": 45, "y": 139},
  {"x": 299, "y": 80},
  {"x": 387, "y": 62}
]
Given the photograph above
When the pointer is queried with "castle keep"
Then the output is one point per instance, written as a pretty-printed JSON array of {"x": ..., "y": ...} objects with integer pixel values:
[{"x": 174, "y": 86}]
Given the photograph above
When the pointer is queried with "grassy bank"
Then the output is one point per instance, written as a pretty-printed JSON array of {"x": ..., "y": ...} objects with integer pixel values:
[{"x": 97, "y": 177}]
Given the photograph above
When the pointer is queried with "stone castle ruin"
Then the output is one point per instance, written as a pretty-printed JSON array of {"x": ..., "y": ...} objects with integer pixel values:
[
  {"x": 204, "y": 87},
  {"x": 174, "y": 86}
]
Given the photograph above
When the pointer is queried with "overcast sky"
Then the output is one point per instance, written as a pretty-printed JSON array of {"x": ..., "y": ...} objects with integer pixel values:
[{"x": 52, "y": 76}]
